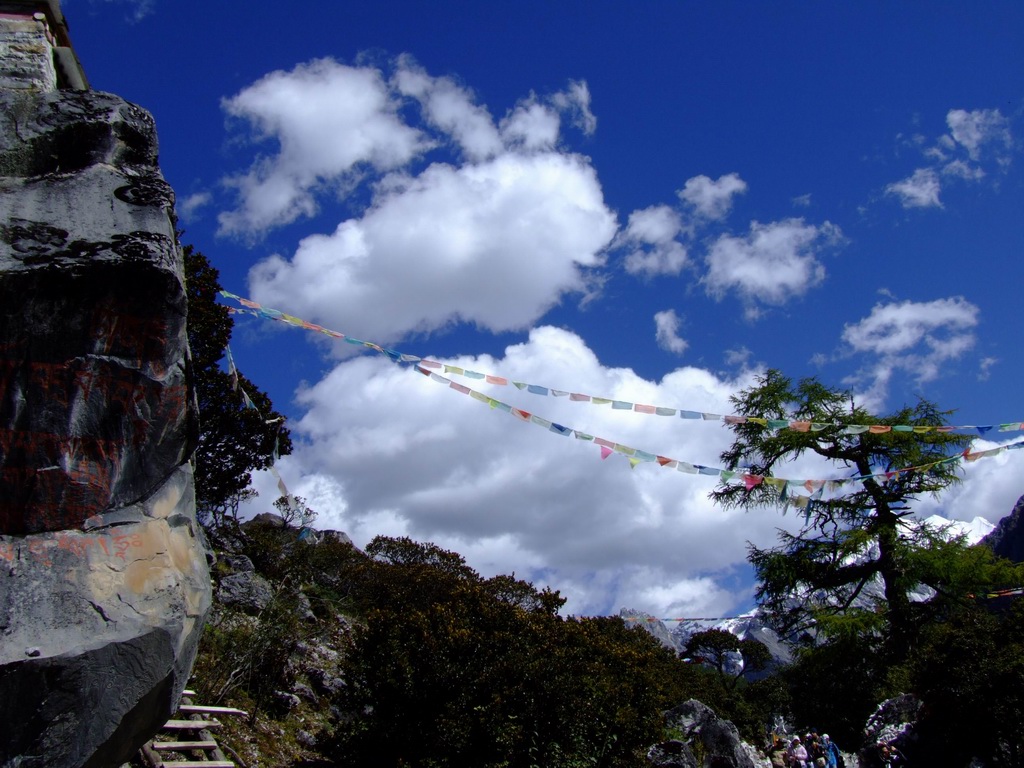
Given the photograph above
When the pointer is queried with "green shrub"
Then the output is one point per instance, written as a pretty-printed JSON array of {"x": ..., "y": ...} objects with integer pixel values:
[{"x": 451, "y": 669}]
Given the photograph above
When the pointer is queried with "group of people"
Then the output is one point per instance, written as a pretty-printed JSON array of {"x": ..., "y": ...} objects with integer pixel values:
[
  {"x": 811, "y": 752},
  {"x": 821, "y": 752}
]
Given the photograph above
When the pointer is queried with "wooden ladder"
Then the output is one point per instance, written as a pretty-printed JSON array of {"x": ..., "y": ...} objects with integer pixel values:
[{"x": 187, "y": 741}]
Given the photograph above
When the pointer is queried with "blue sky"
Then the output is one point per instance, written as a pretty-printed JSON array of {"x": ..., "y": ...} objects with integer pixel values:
[{"x": 648, "y": 202}]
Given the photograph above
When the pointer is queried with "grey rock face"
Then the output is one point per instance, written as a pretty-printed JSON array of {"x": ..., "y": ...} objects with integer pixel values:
[
  {"x": 672, "y": 754},
  {"x": 238, "y": 563},
  {"x": 719, "y": 739},
  {"x": 654, "y": 626},
  {"x": 265, "y": 519},
  {"x": 1007, "y": 540},
  {"x": 318, "y": 537},
  {"x": 245, "y": 590},
  {"x": 104, "y": 585},
  {"x": 25, "y": 62},
  {"x": 892, "y": 723},
  {"x": 93, "y": 394}
]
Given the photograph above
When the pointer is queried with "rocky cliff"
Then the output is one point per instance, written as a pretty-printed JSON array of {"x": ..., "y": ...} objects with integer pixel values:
[
  {"x": 104, "y": 584},
  {"x": 1007, "y": 540}
]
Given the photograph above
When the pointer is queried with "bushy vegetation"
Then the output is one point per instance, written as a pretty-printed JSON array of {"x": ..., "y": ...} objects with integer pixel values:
[
  {"x": 443, "y": 667},
  {"x": 451, "y": 669},
  {"x": 437, "y": 666},
  {"x": 971, "y": 676}
]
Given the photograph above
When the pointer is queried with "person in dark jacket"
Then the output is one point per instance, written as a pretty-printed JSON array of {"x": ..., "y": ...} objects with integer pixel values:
[{"x": 891, "y": 757}]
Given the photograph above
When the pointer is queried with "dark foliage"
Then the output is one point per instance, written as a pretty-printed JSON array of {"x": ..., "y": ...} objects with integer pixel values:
[
  {"x": 233, "y": 440},
  {"x": 837, "y": 685},
  {"x": 451, "y": 669},
  {"x": 715, "y": 646},
  {"x": 970, "y": 676}
]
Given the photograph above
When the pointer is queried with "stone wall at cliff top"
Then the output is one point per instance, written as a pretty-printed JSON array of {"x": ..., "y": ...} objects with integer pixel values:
[{"x": 104, "y": 584}]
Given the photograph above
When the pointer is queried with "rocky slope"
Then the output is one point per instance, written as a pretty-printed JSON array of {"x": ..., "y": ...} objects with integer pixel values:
[{"x": 1007, "y": 539}]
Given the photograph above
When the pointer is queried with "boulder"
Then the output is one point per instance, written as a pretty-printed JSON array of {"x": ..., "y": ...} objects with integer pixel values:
[
  {"x": 720, "y": 742},
  {"x": 238, "y": 563},
  {"x": 246, "y": 590},
  {"x": 672, "y": 754},
  {"x": 104, "y": 583},
  {"x": 94, "y": 401},
  {"x": 100, "y": 628},
  {"x": 266, "y": 520},
  {"x": 313, "y": 536},
  {"x": 892, "y": 724}
]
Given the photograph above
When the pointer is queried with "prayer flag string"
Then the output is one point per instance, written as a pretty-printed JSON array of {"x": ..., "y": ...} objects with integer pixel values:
[
  {"x": 784, "y": 486},
  {"x": 254, "y": 308},
  {"x": 652, "y": 619}
]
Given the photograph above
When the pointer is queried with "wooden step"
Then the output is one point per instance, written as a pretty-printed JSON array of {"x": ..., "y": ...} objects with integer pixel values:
[
  {"x": 178, "y": 746},
  {"x": 187, "y": 725},
  {"x": 199, "y": 764},
  {"x": 196, "y": 709}
]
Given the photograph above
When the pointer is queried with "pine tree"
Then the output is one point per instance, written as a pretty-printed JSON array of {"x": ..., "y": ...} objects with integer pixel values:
[{"x": 853, "y": 539}]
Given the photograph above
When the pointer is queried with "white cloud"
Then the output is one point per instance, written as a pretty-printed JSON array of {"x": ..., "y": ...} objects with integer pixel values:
[
  {"x": 915, "y": 337},
  {"x": 667, "y": 325},
  {"x": 531, "y": 126},
  {"x": 712, "y": 199},
  {"x": 961, "y": 170},
  {"x": 985, "y": 367},
  {"x": 140, "y": 9},
  {"x": 495, "y": 241},
  {"x": 989, "y": 488},
  {"x": 383, "y": 449},
  {"x": 899, "y": 326},
  {"x": 974, "y": 139},
  {"x": 774, "y": 263},
  {"x": 495, "y": 244},
  {"x": 921, "y": 190},
  {"x": 535, "y": 123},
  {"x": 978, "y": 128},
  {"x": 329, "y": 121},
  {"x": 575, "y": 101},
  {"x": 189, "y": 206},
  {"x": 337, "y": 125},
  {"x": 738, "y": 357},
  {"x": 650, "y": 238},
  {"x": 450, "y": 108}
]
